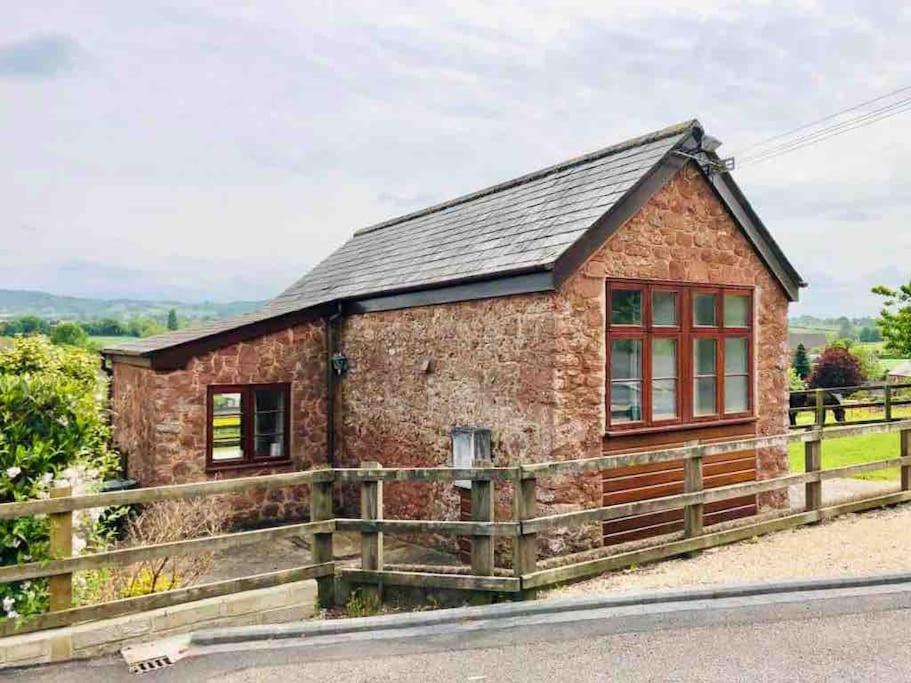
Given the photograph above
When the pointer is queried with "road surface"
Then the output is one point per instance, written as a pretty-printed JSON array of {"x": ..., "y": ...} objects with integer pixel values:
[{"x": 856, "y": 634}]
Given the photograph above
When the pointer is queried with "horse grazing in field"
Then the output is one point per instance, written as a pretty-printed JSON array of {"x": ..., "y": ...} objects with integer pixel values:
[{"x": 830, "y": 399}]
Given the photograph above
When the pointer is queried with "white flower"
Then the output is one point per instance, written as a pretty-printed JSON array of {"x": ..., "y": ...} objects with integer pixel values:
[
  {"x": 13, "y": 472},
  {"x": 47, "y": 478},
  {"x": 8, "y": 603},
  {"x": 12, "y": 614}
]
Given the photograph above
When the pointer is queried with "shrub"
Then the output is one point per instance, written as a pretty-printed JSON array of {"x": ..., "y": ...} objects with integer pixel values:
[
  {"x": 795, "y": 383},
  {"x": 162, "y": 522},
  {"x": 52, "y": 426},
  {"x": 69, "y": 334},
  {"x": 836, "y": 367}
]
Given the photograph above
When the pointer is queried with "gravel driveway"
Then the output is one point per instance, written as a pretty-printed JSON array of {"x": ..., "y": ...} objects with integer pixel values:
[{"x": 864, "y": 543}]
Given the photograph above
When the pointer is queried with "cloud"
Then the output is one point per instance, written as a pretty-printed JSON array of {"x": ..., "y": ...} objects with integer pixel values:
[
  {"x": 213, "y": 142},
  {"x": 38, "y": 57}
]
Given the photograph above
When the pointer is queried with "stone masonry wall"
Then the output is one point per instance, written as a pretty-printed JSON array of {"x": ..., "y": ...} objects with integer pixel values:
[
  {"x": 416, "y": 373},
  {"x": 160, "y": 416},
  {"x": 682, "y": 234}
]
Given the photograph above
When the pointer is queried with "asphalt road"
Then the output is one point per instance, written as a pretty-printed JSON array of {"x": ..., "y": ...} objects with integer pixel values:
[
  {"x": 874, "y": 647},
  {"x": 852, "y": 634}
]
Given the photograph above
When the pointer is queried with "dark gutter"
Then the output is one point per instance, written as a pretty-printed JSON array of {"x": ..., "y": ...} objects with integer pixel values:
[{"x": 333, "y": 334}]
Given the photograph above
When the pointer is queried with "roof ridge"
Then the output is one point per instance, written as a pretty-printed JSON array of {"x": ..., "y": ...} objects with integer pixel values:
[{"x": 535, "y": 175}]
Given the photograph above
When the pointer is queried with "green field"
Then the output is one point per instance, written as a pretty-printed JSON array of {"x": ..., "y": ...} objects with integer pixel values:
[
  {"x": 853, "y": 451},
  {"x": 856, "y": 449},
  {"x": 101, "y": 342}
]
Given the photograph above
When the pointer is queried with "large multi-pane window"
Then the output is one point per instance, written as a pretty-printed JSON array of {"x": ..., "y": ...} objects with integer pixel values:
[
  {"x": 248, "y": 424},
  {"x": 677, "y": 353}
]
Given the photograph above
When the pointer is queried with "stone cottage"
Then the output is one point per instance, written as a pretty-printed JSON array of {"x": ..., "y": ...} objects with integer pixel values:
[{"x": 622, "y": 300}]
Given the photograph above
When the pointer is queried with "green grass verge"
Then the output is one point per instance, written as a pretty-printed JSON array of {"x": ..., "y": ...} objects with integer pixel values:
[{"x": 854, "y": 450}]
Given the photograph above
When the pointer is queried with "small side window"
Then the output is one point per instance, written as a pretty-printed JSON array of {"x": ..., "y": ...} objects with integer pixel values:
[{"x": 248, "y": 424}]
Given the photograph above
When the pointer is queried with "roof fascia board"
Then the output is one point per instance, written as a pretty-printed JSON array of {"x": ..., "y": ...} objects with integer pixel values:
[
  {"x": 485, "y": 289},
  {"x": 637, "y": 196},
  {"x": 124, "y": 359}
]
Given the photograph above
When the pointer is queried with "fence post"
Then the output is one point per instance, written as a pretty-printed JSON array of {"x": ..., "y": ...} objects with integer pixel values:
[
  {"x": 372, "y": 509},
  {"x": 61, "y": 547},
  {"x": 692, "y": 482},
  {"x": 482, "y": 511},
  {"x": 525, "y": 504},
  {"x": 820, "y": 409},
  {"x": 887, "y": 402},
  {"x": 321, "y": 510},
  {"x": 905, "y": 436},
  {"x": 813, "y": 463}
]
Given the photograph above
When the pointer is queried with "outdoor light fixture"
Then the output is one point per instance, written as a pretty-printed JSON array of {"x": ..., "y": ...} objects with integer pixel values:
[{"x": 339, "y": 363}]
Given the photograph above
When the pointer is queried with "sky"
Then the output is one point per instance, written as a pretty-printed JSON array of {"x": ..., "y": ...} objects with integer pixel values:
[{"x": 217, "y": 149}]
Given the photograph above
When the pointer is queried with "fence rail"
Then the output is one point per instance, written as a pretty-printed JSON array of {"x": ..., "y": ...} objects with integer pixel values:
[
  {"x": 821, "y": 401},
  {"x": 522, "y": 530}
]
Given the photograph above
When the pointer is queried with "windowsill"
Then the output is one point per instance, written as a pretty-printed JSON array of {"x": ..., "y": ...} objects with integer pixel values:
[
  {"x": 632, "y": 431},
  {"x": 247, "y": 465}
]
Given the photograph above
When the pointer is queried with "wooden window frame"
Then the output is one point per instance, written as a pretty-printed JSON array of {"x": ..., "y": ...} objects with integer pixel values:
[
  {"x": 247, "y": 411},
  {"x": 684, "y": 332}
]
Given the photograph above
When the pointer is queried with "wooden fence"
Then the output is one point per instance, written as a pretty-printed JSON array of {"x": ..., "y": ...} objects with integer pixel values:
[
  {"x": 885, "y": 397},
  {"x": 522, "y": 580}
]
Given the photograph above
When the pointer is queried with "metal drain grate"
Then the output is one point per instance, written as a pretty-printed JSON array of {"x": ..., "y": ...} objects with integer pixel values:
[{"x": 147, "y": 665}]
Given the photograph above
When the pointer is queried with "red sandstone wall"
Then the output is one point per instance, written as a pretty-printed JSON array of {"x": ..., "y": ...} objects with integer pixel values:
[
  {"x": 683, "y": 234},
  {"x": 134, "y": 417},
  {"x": 416, "y": 373},
  {"x": 160, "y": 417}
]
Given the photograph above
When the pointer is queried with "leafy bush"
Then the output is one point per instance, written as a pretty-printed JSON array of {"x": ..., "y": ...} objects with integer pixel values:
[
  {"x": 870, "y": 366},
  {"x": 795, "y": 383},
  {"x": 836, "y": 367},
  {"x": 52, "y": 426},
  {"x": 69, "y": 334}
]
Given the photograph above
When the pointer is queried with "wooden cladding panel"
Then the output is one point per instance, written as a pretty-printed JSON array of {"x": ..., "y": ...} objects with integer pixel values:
[{"x": 656, "y": 480}]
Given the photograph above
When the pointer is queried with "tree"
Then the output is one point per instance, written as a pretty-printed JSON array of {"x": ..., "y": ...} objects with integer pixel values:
[
  {"x": 846, "y": 329},
  {"x": 172, "y": 319},
  {"x": 836, "y": 367},
  {"x": 868, "y": 333},
  {"x": 69, "y": 334},
  {"x": 801, "y": 362},
  {"x": 895, "y": 318}
]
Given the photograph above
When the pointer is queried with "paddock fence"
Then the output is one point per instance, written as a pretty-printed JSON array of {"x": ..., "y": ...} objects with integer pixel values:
[
  {"x": 480, "y": 578},
  {"x": 862, "y": 404}
]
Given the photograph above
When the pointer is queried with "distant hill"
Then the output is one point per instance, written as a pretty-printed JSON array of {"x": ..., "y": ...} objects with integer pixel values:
[{"x": 18, "y": 302}]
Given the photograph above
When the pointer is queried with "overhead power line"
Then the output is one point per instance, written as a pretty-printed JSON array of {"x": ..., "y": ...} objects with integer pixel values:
[
  {"x": 789, "y": 142},
  {"x": 825, "y": 118}
]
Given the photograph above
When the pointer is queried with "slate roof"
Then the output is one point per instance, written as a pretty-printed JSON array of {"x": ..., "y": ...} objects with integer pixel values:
[{"x": 519, "y": 226}]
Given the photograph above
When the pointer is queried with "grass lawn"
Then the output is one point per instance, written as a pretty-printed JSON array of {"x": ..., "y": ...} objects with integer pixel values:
[
  {"x": 853, "y": 451},
  {"x": 856, "y": 449}
]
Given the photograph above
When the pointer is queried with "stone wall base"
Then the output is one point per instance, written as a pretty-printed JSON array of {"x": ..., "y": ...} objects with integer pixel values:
[{"x": 290, "y": 602}]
